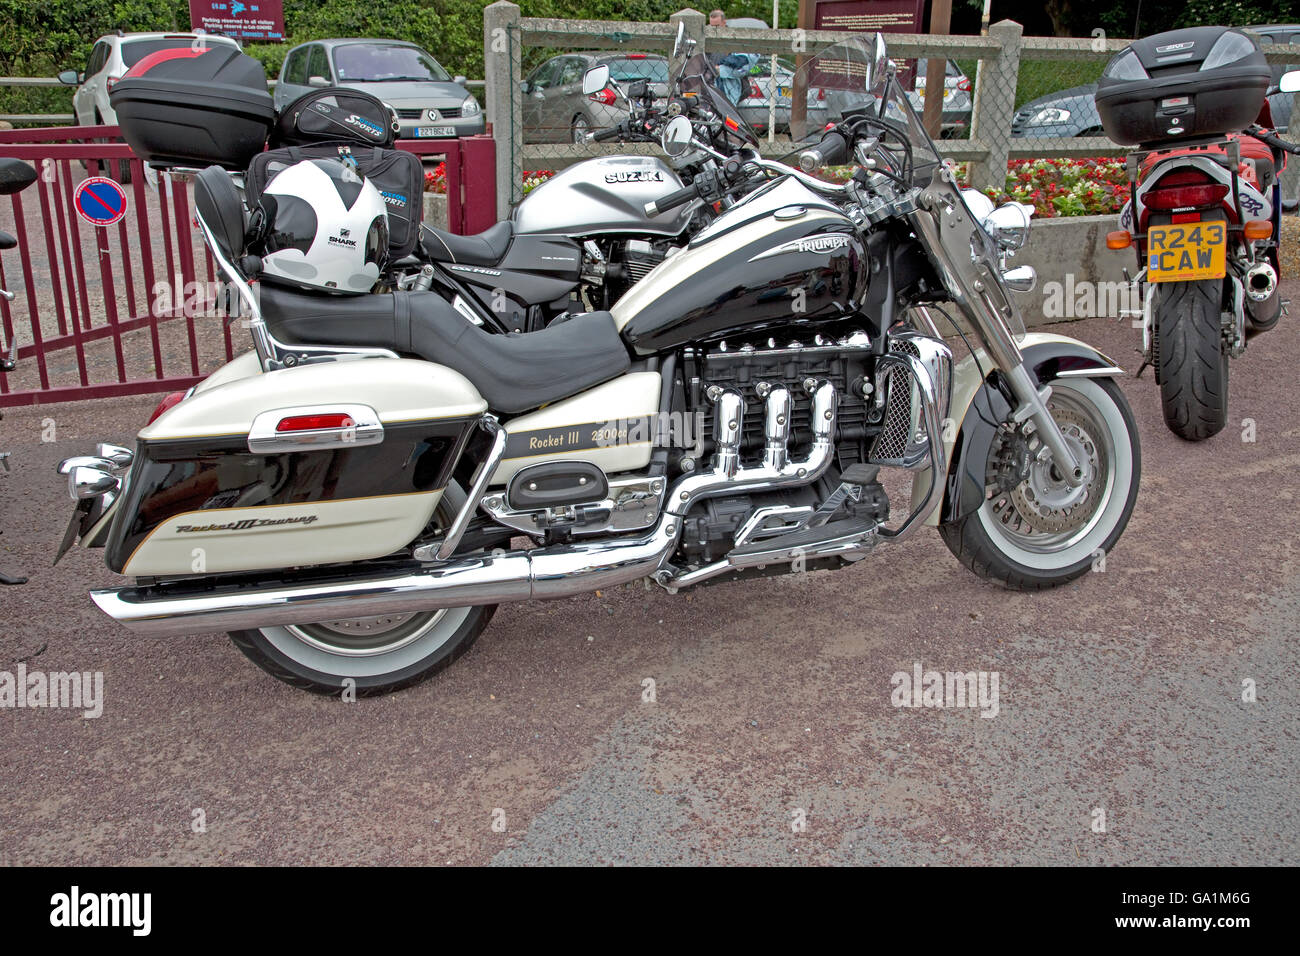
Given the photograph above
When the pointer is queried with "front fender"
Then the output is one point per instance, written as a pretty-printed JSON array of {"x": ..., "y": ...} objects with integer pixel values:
[{"x": 980, "y": 403}]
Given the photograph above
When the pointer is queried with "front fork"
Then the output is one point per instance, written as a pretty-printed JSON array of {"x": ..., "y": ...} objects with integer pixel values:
[{"x": 961, "y": 251}]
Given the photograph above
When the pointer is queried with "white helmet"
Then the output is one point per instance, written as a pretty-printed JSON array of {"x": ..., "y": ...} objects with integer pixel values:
[{"x": 324, "y": 227}]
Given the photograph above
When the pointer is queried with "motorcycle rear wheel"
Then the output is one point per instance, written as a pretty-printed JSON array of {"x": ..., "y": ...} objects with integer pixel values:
[
  {"x": 1042, "y": 533},
  {"x": 379, "y": 654},
  {"x": 1191, "y": 358}
]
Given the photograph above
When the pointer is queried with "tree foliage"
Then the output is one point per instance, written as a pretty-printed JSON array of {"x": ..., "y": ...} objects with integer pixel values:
[{"x": 41, "y": 38}]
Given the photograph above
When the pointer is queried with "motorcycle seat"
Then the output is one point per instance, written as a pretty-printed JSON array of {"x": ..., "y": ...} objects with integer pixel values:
[
  {"x": 514, "y": 373},
  {"x": 485, "y": 249}
]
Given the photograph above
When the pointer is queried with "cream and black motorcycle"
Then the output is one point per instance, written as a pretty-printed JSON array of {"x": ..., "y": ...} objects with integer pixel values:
[{"x": 345, "y": 499}]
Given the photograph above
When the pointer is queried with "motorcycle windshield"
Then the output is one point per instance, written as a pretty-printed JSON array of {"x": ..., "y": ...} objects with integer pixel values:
[
  {"x": 856, "y": 75},
  {"x": 699, "y": 77}
]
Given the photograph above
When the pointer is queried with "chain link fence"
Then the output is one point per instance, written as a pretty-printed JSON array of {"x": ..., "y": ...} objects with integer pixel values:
[{"x": 1008, "y": 101}]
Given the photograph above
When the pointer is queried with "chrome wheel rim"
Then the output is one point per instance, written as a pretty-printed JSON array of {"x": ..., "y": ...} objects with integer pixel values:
[
  {"x": 368, "y": 636},
  {"x": 1044, "y": 514}
]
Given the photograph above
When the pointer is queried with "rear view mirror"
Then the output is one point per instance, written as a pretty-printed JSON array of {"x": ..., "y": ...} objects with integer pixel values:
[
  {"x": 595, "y": 79},
  {"x": 1290, "y": 82},
  {"x": 15, "y": 176},
  {"x": 679, "y": 42},
  {"x": 677, "y": 136},
  {"x": 318, "y": 81},
  {"x": 460, "y": 80},
  {"x": 70, "y": 77}
]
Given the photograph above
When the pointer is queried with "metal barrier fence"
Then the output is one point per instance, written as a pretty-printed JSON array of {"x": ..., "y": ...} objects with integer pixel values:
[
  {"x": 133, "y": 307},
  {"x": 1006, "y": 96}
]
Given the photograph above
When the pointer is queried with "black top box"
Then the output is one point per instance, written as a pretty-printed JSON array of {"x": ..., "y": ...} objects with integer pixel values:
[
  {"x": 1184, "y": 84},
  {"x": 192, "y": 107}
]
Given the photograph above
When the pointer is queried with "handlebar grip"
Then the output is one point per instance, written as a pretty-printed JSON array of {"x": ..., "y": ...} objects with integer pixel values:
[
  {"x": 671, "y": 201},
  {"x": 603, "y": 134},
  {"x": 831, "y": 151}
]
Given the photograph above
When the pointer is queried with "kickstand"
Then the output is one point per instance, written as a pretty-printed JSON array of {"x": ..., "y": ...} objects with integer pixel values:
[
  {"x": 6, "y": 579},
  {"x": 1142, "y": 368}
]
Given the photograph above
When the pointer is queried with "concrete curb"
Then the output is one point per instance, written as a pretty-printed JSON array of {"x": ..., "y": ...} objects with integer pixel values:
[{"x": 1076, "y": 272}]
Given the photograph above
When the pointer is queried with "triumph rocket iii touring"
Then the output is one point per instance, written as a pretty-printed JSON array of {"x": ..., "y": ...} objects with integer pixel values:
[
  {"x": 1204, "y": 211},
  {"x": 346, "y": 499}
]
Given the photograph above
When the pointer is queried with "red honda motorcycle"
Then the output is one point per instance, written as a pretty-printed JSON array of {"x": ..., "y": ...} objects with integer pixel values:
[{"x": 1204, "y": 208}]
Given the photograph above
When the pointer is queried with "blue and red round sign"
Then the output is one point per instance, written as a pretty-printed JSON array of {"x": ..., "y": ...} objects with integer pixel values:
[{"x": 100, "y": 201}]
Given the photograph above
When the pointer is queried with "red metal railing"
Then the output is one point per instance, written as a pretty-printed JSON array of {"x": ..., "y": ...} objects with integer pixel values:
[{"x": 126, "y": 309}]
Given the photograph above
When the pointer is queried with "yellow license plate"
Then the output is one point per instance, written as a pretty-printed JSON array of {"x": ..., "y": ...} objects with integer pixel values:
[{"x": 1187, "y": 251}]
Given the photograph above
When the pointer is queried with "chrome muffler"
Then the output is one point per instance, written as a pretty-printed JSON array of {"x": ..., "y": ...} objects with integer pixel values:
[
  {"x": 1260, "y": 281},
  {"x": 555, "y": 571}
]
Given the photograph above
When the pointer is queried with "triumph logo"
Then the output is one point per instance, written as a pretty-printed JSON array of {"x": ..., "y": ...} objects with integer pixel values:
[
  {"x": 818, "y": 245},
  {"x": 635, "y": 176},
  {"x": 246, "y": 524}
]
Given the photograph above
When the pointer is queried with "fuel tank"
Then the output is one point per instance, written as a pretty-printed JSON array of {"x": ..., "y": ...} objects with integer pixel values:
[
  {"x": 604, "y": 196},
  {"x": 782, "y": 255}
]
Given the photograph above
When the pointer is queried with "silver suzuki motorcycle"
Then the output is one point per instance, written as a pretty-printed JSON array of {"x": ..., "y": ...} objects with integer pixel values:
[
  {"x": 584, "y": 237},
  {"x": 347, "y": 499}
]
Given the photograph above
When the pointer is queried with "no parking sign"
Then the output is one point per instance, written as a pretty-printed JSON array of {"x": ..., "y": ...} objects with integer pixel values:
[{"x": 100, "y": 201}]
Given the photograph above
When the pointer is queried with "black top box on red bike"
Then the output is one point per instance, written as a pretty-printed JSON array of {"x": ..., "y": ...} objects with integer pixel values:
[{"x": 1180, "y": 85}]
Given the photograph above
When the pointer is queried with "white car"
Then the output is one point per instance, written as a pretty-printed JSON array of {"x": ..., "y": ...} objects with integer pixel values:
[{"x": 110, "y": 58}]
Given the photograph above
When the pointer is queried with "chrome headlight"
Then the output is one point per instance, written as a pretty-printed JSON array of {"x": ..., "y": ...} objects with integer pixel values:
[
  {"x": 1008, "y": 225},
  {"x": 470, "y": 107}
]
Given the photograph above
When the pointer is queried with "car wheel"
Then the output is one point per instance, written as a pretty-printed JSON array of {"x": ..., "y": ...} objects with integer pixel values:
[{"x": 578, "y": 130}]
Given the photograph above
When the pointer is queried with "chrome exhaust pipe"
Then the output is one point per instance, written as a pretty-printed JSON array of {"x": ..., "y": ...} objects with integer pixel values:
[
  {"x": 1260, "y": 281},
  {"x": 556, "y": 571}
]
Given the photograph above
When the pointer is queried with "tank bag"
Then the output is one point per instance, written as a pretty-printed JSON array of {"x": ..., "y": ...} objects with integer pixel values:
[{"x": 334, "y": 113}]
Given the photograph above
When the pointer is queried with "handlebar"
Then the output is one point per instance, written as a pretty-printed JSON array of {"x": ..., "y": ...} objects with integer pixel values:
[
  {"x": 601, "y": 135},
  {"x": 1274, "y": 140},
  {"x": 672, "y": 200},
  {"x": 833, "y": 150}
]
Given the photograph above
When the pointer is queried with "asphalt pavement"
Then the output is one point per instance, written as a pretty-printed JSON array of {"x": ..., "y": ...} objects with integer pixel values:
[{"x": 1121, "y": 734}]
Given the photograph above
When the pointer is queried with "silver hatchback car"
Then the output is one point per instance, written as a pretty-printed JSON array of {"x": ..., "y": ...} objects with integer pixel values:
[
  {"x": 428, "y": 102},
  {"x": 557, "y": 111}
]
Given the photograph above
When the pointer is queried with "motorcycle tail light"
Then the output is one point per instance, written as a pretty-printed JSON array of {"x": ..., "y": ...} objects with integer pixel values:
[
  {"x": 303, "y": 423},
  {"x": 1175, "y": 192},
  {"x": 1118, "y": 240},
  {"x": 964, "y": 85},
  {"x": 1258, "y": 229},
  {"x": 606, "y": 96},
  {"x": 171, "y": 401}
]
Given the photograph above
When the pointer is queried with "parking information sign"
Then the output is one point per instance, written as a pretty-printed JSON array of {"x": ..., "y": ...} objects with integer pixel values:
[
  {"x": 100, "y": 201},
  {"x": 242, "y": 19}
]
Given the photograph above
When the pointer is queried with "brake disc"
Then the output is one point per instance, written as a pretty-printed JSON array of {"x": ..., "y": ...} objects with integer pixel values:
[{"x": 1044, "y": 499}]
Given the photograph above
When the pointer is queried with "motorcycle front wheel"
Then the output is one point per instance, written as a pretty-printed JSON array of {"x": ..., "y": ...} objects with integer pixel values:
[
  {"x": 1041, "y": 532},
  {"x": 373, "y": 655}
]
